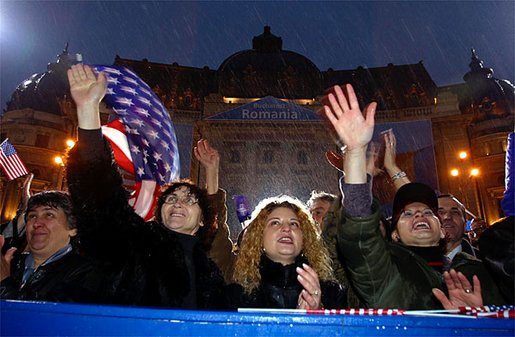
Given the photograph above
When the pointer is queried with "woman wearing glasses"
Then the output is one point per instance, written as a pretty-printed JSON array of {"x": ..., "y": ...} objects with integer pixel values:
[{"x": 158, "y": 263}]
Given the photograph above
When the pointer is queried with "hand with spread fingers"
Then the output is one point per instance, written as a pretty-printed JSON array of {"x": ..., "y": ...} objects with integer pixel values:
[
  {"x": 87, "y": 91},
  {"x": 344, "y": 114},
  {"x": 461, "y": 292},
  {"x": 353, "y": 129},
  {"x": 311, "y": 296}
]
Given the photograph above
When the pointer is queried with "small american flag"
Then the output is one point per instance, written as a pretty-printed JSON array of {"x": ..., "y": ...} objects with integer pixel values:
[
  {"x": 142, "y": 136},
  {"x": 10, "y": 161}
]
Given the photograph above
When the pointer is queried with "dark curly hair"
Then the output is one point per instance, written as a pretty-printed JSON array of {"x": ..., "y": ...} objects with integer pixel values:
[{"x": 204, "y": 232}]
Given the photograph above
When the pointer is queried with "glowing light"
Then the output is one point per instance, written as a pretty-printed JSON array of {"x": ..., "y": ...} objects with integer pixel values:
[
  {"x": 463, "y": 155},
  {"x": 70, "y": 143},
  {"x": 59, "y": 160},
  {"x": 455, "y": 172},
  {"x": 474, "y": 172}
]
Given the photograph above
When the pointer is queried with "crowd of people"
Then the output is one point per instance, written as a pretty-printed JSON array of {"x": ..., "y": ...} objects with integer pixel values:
[{"x": 88, "y": 245}]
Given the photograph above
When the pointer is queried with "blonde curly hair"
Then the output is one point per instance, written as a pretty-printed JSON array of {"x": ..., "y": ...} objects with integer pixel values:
[{"x": 246, "y": 270}]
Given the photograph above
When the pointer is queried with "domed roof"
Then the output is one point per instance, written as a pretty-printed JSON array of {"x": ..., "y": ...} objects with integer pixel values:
[
  {"x": 268, "y": 70},
  {"x": 486, "y": 96},
  {"x": 42, "y": 91}
]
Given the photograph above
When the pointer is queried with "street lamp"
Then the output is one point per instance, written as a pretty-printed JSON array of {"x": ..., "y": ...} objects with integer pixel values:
[
  {"x": 70, "y": 143},
  {"x": 473, "y": 174},
  {"x": 59, "y": 160}
]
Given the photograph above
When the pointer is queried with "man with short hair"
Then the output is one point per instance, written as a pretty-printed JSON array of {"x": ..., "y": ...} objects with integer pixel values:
[
  {"x": 319, "y": 205},
  {"x": 51, "y": 269},
  {"x": 452, "y": 216}
]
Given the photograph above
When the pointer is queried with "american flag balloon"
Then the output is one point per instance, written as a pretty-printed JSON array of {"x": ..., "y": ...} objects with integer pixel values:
[{"x": 142, "y": 136}]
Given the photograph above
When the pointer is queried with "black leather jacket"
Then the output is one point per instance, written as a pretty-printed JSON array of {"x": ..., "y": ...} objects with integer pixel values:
[
  {"x": 280, "y": 289},
  {"x": 69, "y": 279}
]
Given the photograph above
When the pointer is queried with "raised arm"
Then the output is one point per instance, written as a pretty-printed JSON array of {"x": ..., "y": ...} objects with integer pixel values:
[
  {"x": 210, "y": 159},
  {"x": 87, "y": 91},
  {"x": 106, "y": 222},
  {"x": 220, "y": 250},
  {"x": 353, "y": 129},
  {"x": 398, "y": 176}
]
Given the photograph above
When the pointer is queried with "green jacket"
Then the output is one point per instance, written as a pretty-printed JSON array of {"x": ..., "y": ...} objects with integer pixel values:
[{"x": 389, "y": 275}]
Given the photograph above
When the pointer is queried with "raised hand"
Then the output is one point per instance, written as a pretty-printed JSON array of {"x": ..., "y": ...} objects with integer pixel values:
[
  {"x": 311, "y": 296},
  {"x": 87, "y": 91},
  {"x": 85, "y": 86},
  {"x": 390, "y": 151},
  {"x": 210, "y": 159},
  {"x": 461, "y": 293},
  {"x": 25, "y": 190},
  {"x": 345, "y": 116},
  {"x": 206, "y": 154},
  {"x": 352, "y": 129},
  {"x": 372, "y": 158},
  {"x": 5, "y": 260}
]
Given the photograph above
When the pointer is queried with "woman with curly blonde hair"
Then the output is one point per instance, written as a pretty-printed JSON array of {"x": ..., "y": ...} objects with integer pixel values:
[{"x": 282, "y": 261}]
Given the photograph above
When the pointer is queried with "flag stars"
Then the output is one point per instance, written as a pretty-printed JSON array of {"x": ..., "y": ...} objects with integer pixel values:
[
  {"x": 112, "y": 71},
  {"x": 135, "y": 149},
  {"x": 145, "y": 101},
  {"x": 120, "y": 112},
  {"x": 153, "y": 134},
  {"x": 130, "y": 80},
  {"x": 128, "y": 90},
  {"x": 157, "y": 156},
  {"x": 141, "y": 171},
  {"x": 112, "y": 80},
  {"x": 142, "y": 111},
  {"x": 157, "y": 122},
  {"x": 165, "y": 145},
  {"x": 124, "y": 101},
  {"x": 138, "y": 122}
]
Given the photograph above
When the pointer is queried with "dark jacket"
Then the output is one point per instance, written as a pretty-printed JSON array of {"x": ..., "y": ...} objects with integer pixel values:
[
  {"x": 146, "y": 263},
  {"x": 221, "y": 250},
  {"x": 280, "y": 289},
  {"x": 497, "y": 244},
  {"x": 68, "y": 279},
  {"x": 390, "y": 275},
  {"x": 329, "y": 235}
]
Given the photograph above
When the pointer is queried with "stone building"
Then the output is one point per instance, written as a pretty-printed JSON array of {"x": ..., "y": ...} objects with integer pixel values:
[{"x": 259, "y": 109}]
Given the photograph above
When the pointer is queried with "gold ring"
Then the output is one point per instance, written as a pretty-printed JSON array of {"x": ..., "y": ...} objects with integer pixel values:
[
  {"x": 468, "y": 290},
  {"x": 316, "y": 292}
]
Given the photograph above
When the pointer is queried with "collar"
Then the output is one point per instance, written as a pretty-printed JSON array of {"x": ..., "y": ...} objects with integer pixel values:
[
  {"x": 276, "y": 274},
  {"x": 29, "y": 261}
]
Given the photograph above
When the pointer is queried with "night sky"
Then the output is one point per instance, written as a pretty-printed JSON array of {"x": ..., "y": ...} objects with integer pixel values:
[{"x": 340, "y": 35}]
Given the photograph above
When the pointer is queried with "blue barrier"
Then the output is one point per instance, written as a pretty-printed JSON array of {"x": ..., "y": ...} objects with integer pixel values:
[{"x": 59, "y": 319}]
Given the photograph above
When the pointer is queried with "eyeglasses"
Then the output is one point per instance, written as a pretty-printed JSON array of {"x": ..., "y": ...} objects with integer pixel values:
[
  {"x": 410, "y": 213},
  {"x": 187, "y": 200}
]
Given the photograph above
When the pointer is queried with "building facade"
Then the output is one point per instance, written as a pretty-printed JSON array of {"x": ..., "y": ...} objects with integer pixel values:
[{"x": 259, "y": 109}]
